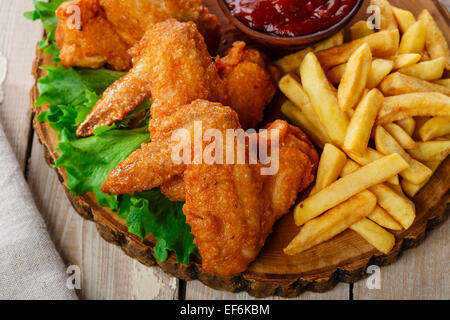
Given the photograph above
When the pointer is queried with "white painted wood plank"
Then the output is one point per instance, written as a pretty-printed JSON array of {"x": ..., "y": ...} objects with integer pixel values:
[
  {"x": 195, "y": 290},
  {"x": 18, "y": 39},
  {"x": 421, "y": 273}
]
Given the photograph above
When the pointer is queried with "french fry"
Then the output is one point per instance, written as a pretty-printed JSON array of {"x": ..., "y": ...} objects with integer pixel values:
[
  {"x": 335, "y": 74},
  {"x": 431, "y": 151},
  {"x": 398, "y": 206},
  {"x": 383, "y": 44},
  {"x": 294, "y": 91},
  {"x": 379, "y": 215},
  {"x": 436, "y": 43},
  {"x": 382, "y": 218},
  {"x": 434, "y": 128},
  {"x": 361, "y": 124},
  {"x": 323, "y": 99},
  {"x": 398, "y": 189},
  {"x": 292, "y": 62},
  {"x": 293, "y": 113},
  {"x": 370, "y": 156},
  {"x": 413, "y": 40},
  {"x": 333, "y": 41},
  {"x": 331, "y": 163},
  {"x": 360, "y": 29},
  {"x": 412, "y": 189},
  {"x": 381, "y": 239},
  {"x": 332, "y": 223},
  {"x": 427, "y": 70},
  {"x": 379, "y": 70},
  {"x": 408, "y": 124},
  {"x": 348, "y": 186},
  {"x": 403, "y": 138},
  {"x": 405, "y": 18},
  {"x": 406, "y": 60},
  {"x": 421, "y": 104},
  {"x": 398, "y": 83},
  {"x": 387, "y": 16},
  {"x": 417, "y": 172},
  {"x": 443, "y": 82},
  {"x": 355, "y": 78}
]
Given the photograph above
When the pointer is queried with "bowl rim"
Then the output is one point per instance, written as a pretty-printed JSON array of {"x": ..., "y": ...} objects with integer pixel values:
[{"x": 301, "y": 38}]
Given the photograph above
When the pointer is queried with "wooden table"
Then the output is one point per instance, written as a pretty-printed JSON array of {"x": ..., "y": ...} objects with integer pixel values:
[{"x": 107, "y": 273}]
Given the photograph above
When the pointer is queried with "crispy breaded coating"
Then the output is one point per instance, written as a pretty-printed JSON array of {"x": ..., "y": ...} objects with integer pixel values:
[
  {"x": 232, "y": 208},
  {"x": 251, "y": 82},
  {"x": 171, "y": 64},
  {"x": 152, "y": 165},
  {"x": 110, "y": 27}
]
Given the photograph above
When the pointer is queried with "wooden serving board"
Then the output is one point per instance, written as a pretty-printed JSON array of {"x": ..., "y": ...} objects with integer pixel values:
[{"x": 342, "y": 259}]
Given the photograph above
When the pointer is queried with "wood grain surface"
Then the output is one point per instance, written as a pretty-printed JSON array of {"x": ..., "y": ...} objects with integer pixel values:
[{"x": 107, "y": 272}]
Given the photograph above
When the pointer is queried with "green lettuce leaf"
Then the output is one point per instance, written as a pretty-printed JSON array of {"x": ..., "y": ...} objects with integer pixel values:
[
  {"x": 45, "y": 11},
  {"x": 151, "y": 212},
  {"x": 88, "y": 161}
]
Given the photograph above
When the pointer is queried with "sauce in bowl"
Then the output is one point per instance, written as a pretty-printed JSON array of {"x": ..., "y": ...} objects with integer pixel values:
[{"x": 290, "y": 17}]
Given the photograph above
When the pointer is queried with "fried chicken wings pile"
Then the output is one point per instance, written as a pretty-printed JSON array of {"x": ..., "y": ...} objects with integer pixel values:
[
  {"x": 230, "y": 207},
  {"x": 104, "y": 30}
]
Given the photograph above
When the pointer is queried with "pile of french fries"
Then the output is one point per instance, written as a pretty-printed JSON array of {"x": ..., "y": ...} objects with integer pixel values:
[{"x": 380, "y": 109}]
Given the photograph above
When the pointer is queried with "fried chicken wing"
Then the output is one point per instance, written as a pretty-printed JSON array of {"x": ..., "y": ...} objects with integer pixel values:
[
  {"x": 152, "y": 164},
  {"x": 251, "y": 82},
  {"x": 94, "y": 42},
  {"x": 108, "y": 28},
  {"x": 172, "y": 65},
  {"x": 232, "y": 208}
]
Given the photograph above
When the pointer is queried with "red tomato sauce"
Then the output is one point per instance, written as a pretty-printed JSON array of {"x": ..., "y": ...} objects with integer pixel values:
[{"x": 290, "y": 17}]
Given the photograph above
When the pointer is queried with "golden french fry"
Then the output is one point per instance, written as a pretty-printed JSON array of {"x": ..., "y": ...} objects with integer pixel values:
[
  {"x": 421, "y": 104},
  {"x": 355, "y": 78},
  {"x": 293, "y": 90},
  {"x": 382, "y": 218},
  {"x": 434, "y": 128},
  {"x": 323, "y": 99},
  {"x": 411, "y": 189},
  {"x": 436, "y": 43},
  {"x": 427, "y": 70},
  {"x": 333, "y": 222},
  {"x": 387, "y": 16},
  {"x": 379, "y": 70},
  {"x": 417, "y": 172},
  {"x": 403, "y": 138},
  {"x": 370, "y": 156},
  {"x": 406, "y": 60},
  {"x": 333, "y": 41},
  {"x": 361, "y": 124},
  {"x": 335, "y": 74},
  {"x": 372, "y": 174},
  {"x": 381, "y": 239},
  {"x": 413, "y": 40},
  {"x": 397, "y": 188},
  {"x": 443, "y": 82},
  {"x": 405, "y": 18},
  {"x": 382, "y": 44},
  {"x": 398, "y": 206},
  {"x": 398, "y": 83},
  {"x": 292, "y": 62},
  {"x": 331, "y": 163},
  {"x": 293, "y": 113},
  {"x": 360, "y": 29},
  {"x": 431, "y": 150},
  {"x": 408, "y": 124}
]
